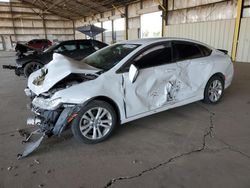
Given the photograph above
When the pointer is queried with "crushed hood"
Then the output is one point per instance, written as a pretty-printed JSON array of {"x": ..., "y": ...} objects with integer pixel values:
[{"x": 56, "y": 70}]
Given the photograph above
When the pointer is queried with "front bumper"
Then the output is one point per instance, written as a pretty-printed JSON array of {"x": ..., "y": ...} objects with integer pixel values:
[{"x": 53, "y": 122}]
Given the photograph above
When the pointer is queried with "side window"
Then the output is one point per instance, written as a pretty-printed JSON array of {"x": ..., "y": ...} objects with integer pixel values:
[
  {"x": 66, "y": 47},
  {"x": 85, "y": 46},
  {"x": 155, "y": 56},
  {"x": 38, "y": 41},
  {"x": 44, "y": 41},
  {"x": 31, "y": 42},
  {"x": 98, "y": 45},
  {"x": 206, "y": 51},
  {"x": 185, "y": 50}
]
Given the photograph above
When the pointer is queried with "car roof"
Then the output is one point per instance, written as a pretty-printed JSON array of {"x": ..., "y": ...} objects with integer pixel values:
[
  {"x": 147, "y": 41},
  {"x": 80, "y": 40}
]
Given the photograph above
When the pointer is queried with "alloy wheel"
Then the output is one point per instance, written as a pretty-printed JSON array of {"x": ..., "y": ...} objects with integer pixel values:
[{"x": 95, "y": 123}]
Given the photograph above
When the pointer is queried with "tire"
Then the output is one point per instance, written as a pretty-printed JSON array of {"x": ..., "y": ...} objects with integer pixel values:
[
  {"x": 83, "y": 126},
  {"x": 214, "y": 90},
  {"x": 31, "y": 67}
]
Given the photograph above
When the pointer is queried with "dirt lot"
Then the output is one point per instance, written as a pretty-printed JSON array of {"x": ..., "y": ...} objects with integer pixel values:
[{"x": 196, "y": 145}]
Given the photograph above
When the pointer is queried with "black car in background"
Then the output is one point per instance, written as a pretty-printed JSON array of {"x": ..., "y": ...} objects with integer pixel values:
[{"x": 76, "y": 49}]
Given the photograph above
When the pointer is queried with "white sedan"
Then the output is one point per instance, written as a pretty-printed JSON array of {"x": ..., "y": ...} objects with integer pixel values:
[{"x": 124, "y": 82}]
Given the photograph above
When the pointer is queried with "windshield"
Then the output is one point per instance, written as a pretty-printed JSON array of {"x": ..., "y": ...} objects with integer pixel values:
[
  {"x": 108, "y": 57},
  {"x": 51, "y": 48}
]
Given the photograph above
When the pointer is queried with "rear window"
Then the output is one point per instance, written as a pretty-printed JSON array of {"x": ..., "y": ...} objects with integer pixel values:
[
  {"x": 186, "y": 50},
  {"x": 206, "y": 51}
]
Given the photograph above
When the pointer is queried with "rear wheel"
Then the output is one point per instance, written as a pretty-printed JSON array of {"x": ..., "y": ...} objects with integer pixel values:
[
  {"x": 31, "y": 67},
  {"x": 214, "y": 90},
  {"x": 95, "y": 122}
]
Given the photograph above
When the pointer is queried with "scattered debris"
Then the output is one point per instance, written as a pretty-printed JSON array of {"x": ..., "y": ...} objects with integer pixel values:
[
  {"x": 16, "y": 175},
  {"x": 24, "y": 133},
  {"x": 9, "y": 168},
  {"x": 41, "y": 185},
  {"x": 48, "y": 172},
  {"x": 15, "y": 167},
  {"x": 36, "y": 161},
  {"x": 136, "y": 161},
  {"x": 30, "y": 165}
]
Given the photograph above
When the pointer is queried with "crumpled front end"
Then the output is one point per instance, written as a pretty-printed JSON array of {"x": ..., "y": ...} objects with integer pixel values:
[
  {"x": 52, "y": 113},
  {"x": 49, "y": 120}
]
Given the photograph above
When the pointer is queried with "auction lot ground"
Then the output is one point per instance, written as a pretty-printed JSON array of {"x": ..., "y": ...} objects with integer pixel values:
[{"x": 196, "y": 145}]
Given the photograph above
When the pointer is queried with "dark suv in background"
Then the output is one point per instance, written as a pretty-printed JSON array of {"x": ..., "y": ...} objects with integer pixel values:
[{"x": 76, "y": 49}]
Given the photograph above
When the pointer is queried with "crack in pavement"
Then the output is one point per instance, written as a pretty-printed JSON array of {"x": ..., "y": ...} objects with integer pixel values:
[
  {"x": 230, "y": 147},
  {"x": 209, "y": 132}
]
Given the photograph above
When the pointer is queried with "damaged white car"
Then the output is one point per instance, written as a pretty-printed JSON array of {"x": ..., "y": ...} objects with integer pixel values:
[{"x": 124, "y": 82}]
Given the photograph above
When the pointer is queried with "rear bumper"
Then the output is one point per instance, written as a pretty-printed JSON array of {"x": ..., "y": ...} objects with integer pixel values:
[{"x": 229, "y": 75}]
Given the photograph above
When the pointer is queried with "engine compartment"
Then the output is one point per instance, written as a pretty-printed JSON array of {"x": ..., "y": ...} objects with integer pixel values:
[{"x": 69, "y": 81}]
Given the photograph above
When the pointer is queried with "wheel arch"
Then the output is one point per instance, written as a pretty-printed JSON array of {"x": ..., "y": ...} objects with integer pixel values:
[
  {"x": 221, "y": 75},
  {"x": 33, "y": 60},
  {"x": 111, "y": 102}
]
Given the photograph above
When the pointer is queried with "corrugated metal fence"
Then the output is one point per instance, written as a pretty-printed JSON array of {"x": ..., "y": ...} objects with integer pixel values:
[
  {"x": 218, "y": 34},
  {"x": 243, "y": 50}
]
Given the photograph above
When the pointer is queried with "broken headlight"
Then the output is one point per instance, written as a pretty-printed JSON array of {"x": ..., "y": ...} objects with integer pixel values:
[{"x": 47, "y": 104}]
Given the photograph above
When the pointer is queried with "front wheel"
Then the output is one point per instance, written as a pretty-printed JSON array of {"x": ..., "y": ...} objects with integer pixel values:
[
  {"x": 31, "y": 67},
  {"x": 95, "y": 122},
  {"x": 214, "y": 90}
]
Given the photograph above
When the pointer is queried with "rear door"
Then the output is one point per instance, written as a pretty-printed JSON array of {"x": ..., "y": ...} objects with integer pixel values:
[
  {"x": 155, "y": 85},
  {"x": 194, "y": 66}
]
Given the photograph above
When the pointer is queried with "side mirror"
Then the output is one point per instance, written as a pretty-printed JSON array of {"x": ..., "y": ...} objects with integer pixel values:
[{"x": 133, "y": 73}]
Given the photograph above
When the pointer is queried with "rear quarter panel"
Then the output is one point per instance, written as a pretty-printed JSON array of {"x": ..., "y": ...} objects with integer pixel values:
[{"x": 222, "y": 64}]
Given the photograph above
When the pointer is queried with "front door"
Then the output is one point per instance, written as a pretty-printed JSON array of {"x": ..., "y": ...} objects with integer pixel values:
[{"x": 156, "y": 84}]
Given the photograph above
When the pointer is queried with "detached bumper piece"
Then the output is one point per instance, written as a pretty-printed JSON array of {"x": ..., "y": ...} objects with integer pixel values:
[
  {"x": 18, "y": 70},
  {"x": 49, "y": 123},
  {"x": 32, "y": 146}
]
